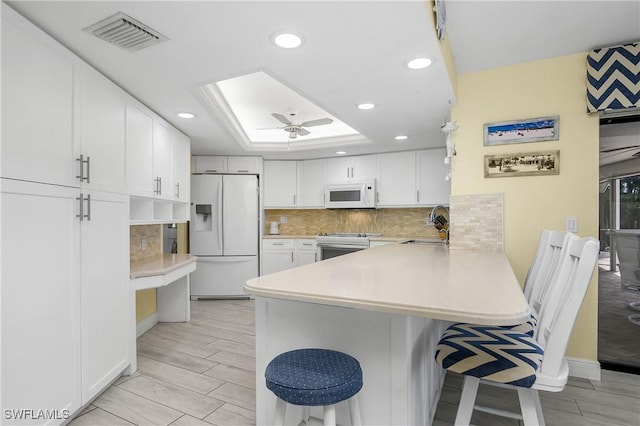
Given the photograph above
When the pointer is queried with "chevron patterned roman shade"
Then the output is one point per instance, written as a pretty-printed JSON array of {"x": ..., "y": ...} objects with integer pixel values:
[{"x": 613, "y": 78}]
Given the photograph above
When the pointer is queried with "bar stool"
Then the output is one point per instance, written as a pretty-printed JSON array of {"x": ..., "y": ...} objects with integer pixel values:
[{"x": 315, "y": 377}]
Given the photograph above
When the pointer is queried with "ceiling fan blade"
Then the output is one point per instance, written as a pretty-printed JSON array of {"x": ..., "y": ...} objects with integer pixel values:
[
  {"x": 620, "y": 149},
  {"x": 317, "y": 122},
  {"x": 303, "y": 132},
  {"x": 281, "y": 118}
]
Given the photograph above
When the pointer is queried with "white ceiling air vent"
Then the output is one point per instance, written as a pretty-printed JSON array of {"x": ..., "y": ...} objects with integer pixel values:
[{"x": 125, "y": 32}]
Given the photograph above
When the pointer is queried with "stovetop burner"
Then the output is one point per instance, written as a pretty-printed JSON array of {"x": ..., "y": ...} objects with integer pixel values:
[{"x": 350, "y": 234}]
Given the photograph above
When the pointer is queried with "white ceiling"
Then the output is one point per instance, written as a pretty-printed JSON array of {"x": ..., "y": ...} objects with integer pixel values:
[{"x": 354, "y": 52}]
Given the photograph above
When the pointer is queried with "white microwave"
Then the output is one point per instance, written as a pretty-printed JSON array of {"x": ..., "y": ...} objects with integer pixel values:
[{"x": 351, "y": 195}]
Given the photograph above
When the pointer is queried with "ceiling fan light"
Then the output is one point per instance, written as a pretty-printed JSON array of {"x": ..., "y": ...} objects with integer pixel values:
[
  {"x": 287, "y": 40},
  {"x": 401, "y": 137},
  {"x": 341, "y": 152},
  {"x": 419, "y": 63},
  {"x": 186, "y": 115}
]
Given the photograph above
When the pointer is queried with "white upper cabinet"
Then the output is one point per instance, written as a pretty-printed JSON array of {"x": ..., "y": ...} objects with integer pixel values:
[
  {"x": 433, "y": 189},
  {"x": 37, "y": 105},
  {"x": 224, "y": 164},
  {"x": 241, "y": 165},
  {"x": 209, "y": 164},
  {"x": 311, "y": 182},
  {"x": 101, "y": 111},
  {"x": 139, "y": 124},
  {"x": 162, "y": 160},
  {"x": 181, "y": 161},
  {"x": 280, "y": 187},
  {"x": 348, "y": 169},
  {"x": 397, "y": 183}
]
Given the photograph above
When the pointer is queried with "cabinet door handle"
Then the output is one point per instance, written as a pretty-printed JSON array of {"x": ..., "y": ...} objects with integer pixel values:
[
  {"x": 159, "y": 185},
  {"x": 82, "y": 162},
  {"x": 81, "y": 215},
  {"x": 88, "y": 178},
  {"x": 88, "y": 200},
  {"x": 243, "y": 171},
  {"x": 211, "y": 171},
  {"x": 291, "y": 257},
  {"x": 315, "y": 257},
  {"x": 178, "y": 190},
  {"x": 294, "y": 199},
  {"x": 278, "y": 244},
  {"x": 417, "y": 196}
]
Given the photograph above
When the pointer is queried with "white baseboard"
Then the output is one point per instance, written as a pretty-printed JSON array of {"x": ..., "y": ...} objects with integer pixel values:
[
  {"x": 584, "y": 368},
  {"x": 146, "y": 324}
]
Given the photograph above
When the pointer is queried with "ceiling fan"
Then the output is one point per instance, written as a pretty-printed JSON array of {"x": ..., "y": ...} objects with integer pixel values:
[{"x": 297, "y": 129}]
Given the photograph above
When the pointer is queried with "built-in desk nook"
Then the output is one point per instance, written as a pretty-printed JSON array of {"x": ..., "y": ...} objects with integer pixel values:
[{"x": 169, "y": 274}]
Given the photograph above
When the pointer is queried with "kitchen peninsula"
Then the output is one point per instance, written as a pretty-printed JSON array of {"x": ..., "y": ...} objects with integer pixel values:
[{"x": 387, "y": 307}]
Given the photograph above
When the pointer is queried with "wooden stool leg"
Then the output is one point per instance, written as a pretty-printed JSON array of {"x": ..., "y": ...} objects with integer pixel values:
[
  {"x": 278, "y": 415},
  {"x": 329, "y": 415},
  {"x": 306, "y": 413},
  {"x": 354, "y": 410},
  {"x": 467, "y": 400}
]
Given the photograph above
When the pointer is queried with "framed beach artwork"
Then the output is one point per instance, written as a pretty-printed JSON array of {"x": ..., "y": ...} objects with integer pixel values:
[
  {"x": 525, "y": 164},
  {"x": 520, "y": 131}
]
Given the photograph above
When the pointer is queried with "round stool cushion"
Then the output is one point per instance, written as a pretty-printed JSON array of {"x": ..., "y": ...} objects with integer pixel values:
[{"x": 314, "y": 377}]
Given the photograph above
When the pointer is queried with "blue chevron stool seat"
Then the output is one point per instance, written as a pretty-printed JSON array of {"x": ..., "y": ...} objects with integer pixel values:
[
  {"x": 493, "y": 353},
  {"x": 315, "y": 377}
]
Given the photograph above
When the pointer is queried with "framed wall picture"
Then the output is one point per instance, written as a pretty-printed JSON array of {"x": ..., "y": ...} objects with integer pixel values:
[
  {"x": 520, "y": 131},
  {"x": 522, "y": 164}
]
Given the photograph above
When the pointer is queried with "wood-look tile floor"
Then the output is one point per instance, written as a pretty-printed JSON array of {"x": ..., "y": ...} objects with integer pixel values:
[{"x": 203, "y": 373}]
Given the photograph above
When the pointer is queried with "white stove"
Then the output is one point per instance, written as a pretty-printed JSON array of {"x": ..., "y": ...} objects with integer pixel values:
[{"x": 332, "y": 245}]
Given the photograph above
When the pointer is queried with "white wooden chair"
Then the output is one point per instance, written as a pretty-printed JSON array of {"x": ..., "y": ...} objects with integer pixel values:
[
  {"x": 507, "y": 358},
  {"x": 540, "y": 275}
]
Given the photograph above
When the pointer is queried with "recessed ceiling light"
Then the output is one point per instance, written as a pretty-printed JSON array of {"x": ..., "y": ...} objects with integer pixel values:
[
  {"x": 287, "y": 40},
  {"x": 341, "y": 152},
  {"x": 186, "y": 115},
  {"x": 401, "y": 137},
  {"x": 366, "y": 106},
  {"x": 419, "y": 63}
]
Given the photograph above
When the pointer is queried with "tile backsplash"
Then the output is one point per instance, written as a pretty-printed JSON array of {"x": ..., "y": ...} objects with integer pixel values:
[
  {"x": 410, "y": 222},
  {"x": 477, "y": 222},
  {"x": 153, "y": 236}
]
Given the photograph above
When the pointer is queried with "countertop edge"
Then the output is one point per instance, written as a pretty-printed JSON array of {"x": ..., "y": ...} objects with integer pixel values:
[{"x": 185, "y": 259}]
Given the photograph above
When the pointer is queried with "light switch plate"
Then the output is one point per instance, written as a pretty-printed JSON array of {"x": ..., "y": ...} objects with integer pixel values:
[
  {"x": 572, "y": 224},
  {"x": 283, "y": 219}
]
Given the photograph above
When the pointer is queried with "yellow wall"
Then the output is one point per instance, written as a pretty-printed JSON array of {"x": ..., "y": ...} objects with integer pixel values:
[{"x": 535, "y": 89}]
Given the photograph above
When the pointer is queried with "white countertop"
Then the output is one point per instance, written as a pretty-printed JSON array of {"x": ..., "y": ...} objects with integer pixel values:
[
  {"x": 416, "y": 280},
  {"x": 159, "y": 265}
]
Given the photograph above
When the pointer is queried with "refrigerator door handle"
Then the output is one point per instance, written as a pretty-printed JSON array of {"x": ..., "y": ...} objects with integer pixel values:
[
  {"x": 225, "y": 243},
  {"x": 220, "y": 187}
]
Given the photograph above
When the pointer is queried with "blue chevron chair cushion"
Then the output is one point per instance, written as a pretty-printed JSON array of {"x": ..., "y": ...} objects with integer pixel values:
[
  {"x": 527, "y": 328},
  {"x": 314, "y": 377},
  {"x": 491, "y": 353}
]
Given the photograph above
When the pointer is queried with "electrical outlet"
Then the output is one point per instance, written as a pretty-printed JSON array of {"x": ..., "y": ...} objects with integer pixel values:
[
  {"x": 283, "y": 219},
  {"x": 143, "y": 244},
  {"x": 572, "y": 224}
]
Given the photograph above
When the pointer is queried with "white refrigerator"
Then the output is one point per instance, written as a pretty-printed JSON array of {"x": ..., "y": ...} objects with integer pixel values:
[{"x": 223, "y": 234}]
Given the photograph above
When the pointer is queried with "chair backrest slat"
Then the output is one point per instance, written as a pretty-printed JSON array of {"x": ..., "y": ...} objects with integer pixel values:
[{"x": 548, "y": 266}]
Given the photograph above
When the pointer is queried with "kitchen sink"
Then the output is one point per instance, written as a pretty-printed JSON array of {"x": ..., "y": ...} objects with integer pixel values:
[{"x": 427, "y": 241}]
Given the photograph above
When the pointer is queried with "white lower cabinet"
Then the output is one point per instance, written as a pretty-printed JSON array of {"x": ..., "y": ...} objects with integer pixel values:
[
  {"x": 104, "y": 274},
  {"x": 306, "y": 251},
  {"x": 277, "y": 255},
  {"x": 64, "y": 296},
  {"x": 41, "y": 355}
]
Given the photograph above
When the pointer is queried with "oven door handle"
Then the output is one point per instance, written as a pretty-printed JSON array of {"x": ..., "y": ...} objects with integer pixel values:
[{"x": 342, "y": 246}]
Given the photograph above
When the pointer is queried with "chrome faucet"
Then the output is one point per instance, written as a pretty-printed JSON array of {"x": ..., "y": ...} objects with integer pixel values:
[{"x": 433, "y": 219}]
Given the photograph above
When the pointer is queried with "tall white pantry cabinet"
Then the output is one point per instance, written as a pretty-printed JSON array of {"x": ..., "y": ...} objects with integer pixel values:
[{"x": 65, "y": 215}]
